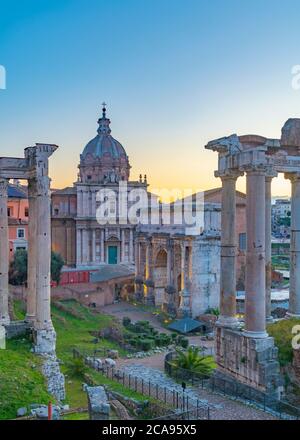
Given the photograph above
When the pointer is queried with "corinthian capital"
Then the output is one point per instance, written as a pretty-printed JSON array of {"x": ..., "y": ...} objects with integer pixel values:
[
  {"x": 292, "y": 176},
  {"x": 229, "y": 174}
]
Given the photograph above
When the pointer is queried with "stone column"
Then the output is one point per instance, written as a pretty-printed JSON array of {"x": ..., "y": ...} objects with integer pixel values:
[
  {"x": 32, "y": 256},
  {"x": 4, "y": 253},
  {"x": 149, "y": 294},
  {"x": 170, "y": 290},
  {"x": 138, "y": 286},
  {"x": 44, "y": 335},
  {"x": 78, "y": 247},
  {"x": 294, "y": 302},
  {"x": 102, "y": 249},
  {"x": 85, "y": 246},
  {"x": 131, "y": 258},
  {"x": 255, "y": 304},
  {"x": 122, "y": 245},
  {"x": 184, "y": 306},
  {"x": 79, "y": 202},
  {"x": 227, "y": 316},
  {"x": 94, "y": 246},
  {"x": 268, "y": 244}
]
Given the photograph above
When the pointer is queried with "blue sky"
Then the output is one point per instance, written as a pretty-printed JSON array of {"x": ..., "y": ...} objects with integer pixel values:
[{"x": 175, "y": 74}]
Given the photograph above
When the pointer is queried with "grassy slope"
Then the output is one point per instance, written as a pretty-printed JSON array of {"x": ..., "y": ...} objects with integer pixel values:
[
  {"x": 21, "y": 385},
  {"x": 21, "y": 381}
]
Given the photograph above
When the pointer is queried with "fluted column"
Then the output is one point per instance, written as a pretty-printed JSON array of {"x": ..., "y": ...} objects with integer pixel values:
[
  {"x": 227, "y": 316},
  {"x": 255, "y": 304},
  {"x": 294, "y": 301},
  {"x": 32, "y": 251},
  {"x": 268, "y": 244},
  {"x": 4, "y": 253}
]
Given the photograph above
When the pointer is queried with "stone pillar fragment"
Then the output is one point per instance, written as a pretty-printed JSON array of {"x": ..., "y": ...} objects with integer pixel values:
[
  {"x": 255, "y": 304},
  {"x": 227, "y": 316},
  {"x": 294, "y": 301},
  {"x": 4, "y": 253}
]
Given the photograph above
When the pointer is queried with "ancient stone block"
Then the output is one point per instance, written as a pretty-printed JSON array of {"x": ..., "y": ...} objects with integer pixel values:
[{"x": 99, "y": 407}]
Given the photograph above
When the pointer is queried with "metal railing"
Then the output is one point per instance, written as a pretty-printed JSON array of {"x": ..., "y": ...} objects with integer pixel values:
[
  {"x": 170, "y": 397},
  {"x": 232, "y": 389}
]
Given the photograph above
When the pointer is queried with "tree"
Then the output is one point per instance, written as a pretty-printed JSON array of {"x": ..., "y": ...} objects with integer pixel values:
[
  {"x": 18, "y": 267},
  {"x": 76, "y": 368},
  {"x": 57, "y": 263}
]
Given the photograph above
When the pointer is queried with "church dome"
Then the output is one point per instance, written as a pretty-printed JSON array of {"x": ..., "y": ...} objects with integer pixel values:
[{"x": 104, "y": 159}]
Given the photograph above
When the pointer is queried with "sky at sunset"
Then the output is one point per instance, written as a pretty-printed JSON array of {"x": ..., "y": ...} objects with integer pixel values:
[{"x": 174, "y": 73}]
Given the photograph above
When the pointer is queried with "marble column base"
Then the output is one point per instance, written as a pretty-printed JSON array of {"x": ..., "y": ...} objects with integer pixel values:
[
  {"x": 256, "y": 335},
  {"x": 44, "y": 341},
  {"x": 227, "y": 321}
]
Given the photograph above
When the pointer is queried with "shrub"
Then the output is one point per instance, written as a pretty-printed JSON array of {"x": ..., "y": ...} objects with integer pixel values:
[
  {"x": 76, "y": 368},
  {"x": 126, "y": 321},
  {"x": 146, "y": 344},
  {"x": 184, "y": 343}
]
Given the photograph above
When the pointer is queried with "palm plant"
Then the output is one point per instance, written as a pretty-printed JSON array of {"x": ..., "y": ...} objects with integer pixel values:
[{"x": 194, "y": 361}]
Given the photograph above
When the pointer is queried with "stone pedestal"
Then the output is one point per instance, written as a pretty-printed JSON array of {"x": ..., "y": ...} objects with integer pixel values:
[
  {"x": 44, "y": 341},
  {"x": 185, "y": 306},
  {"x": 248, "y": 361}
]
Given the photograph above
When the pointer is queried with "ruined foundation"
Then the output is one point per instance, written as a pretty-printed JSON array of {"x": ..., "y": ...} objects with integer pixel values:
[{"x": 252, "y": 362}]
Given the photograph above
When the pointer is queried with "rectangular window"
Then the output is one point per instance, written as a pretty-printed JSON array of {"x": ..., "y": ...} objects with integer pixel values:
[
  {"x": 21, "y": 233},
  {"x": 242, "y": 241},
  {"x": 26, "y": 212},
  {"x": 9, "y": 212}
]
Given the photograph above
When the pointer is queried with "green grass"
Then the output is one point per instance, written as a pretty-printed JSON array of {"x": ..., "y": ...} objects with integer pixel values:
[
  {"x": 21, "y": 382},
  {"x": 21, "y": 385},
  {"x": 281, "y": 331}
]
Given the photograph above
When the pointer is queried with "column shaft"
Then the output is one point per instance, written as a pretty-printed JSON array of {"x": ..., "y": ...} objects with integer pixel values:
[
  {"x": 32, "y": 251},
  {"x": 228, "y": 253},
  {"x": 255, "y": 307},
  {"x": 268, "y": 246},
  {"x": 43, "y": 252},
  {"x": 294, "y": 302},
  {"x": 4, "y": 253}
]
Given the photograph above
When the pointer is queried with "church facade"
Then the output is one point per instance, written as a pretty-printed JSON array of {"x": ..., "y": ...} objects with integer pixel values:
[{"x": 173, "y": 269}]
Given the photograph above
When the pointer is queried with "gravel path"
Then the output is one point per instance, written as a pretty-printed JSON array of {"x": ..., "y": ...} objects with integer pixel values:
[{"x": 221, "y": 407}]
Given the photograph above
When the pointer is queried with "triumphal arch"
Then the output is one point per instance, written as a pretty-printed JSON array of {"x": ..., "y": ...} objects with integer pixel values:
[
  {"x": 33, "y": 168},
  {"x": 248, "y": 355}
]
